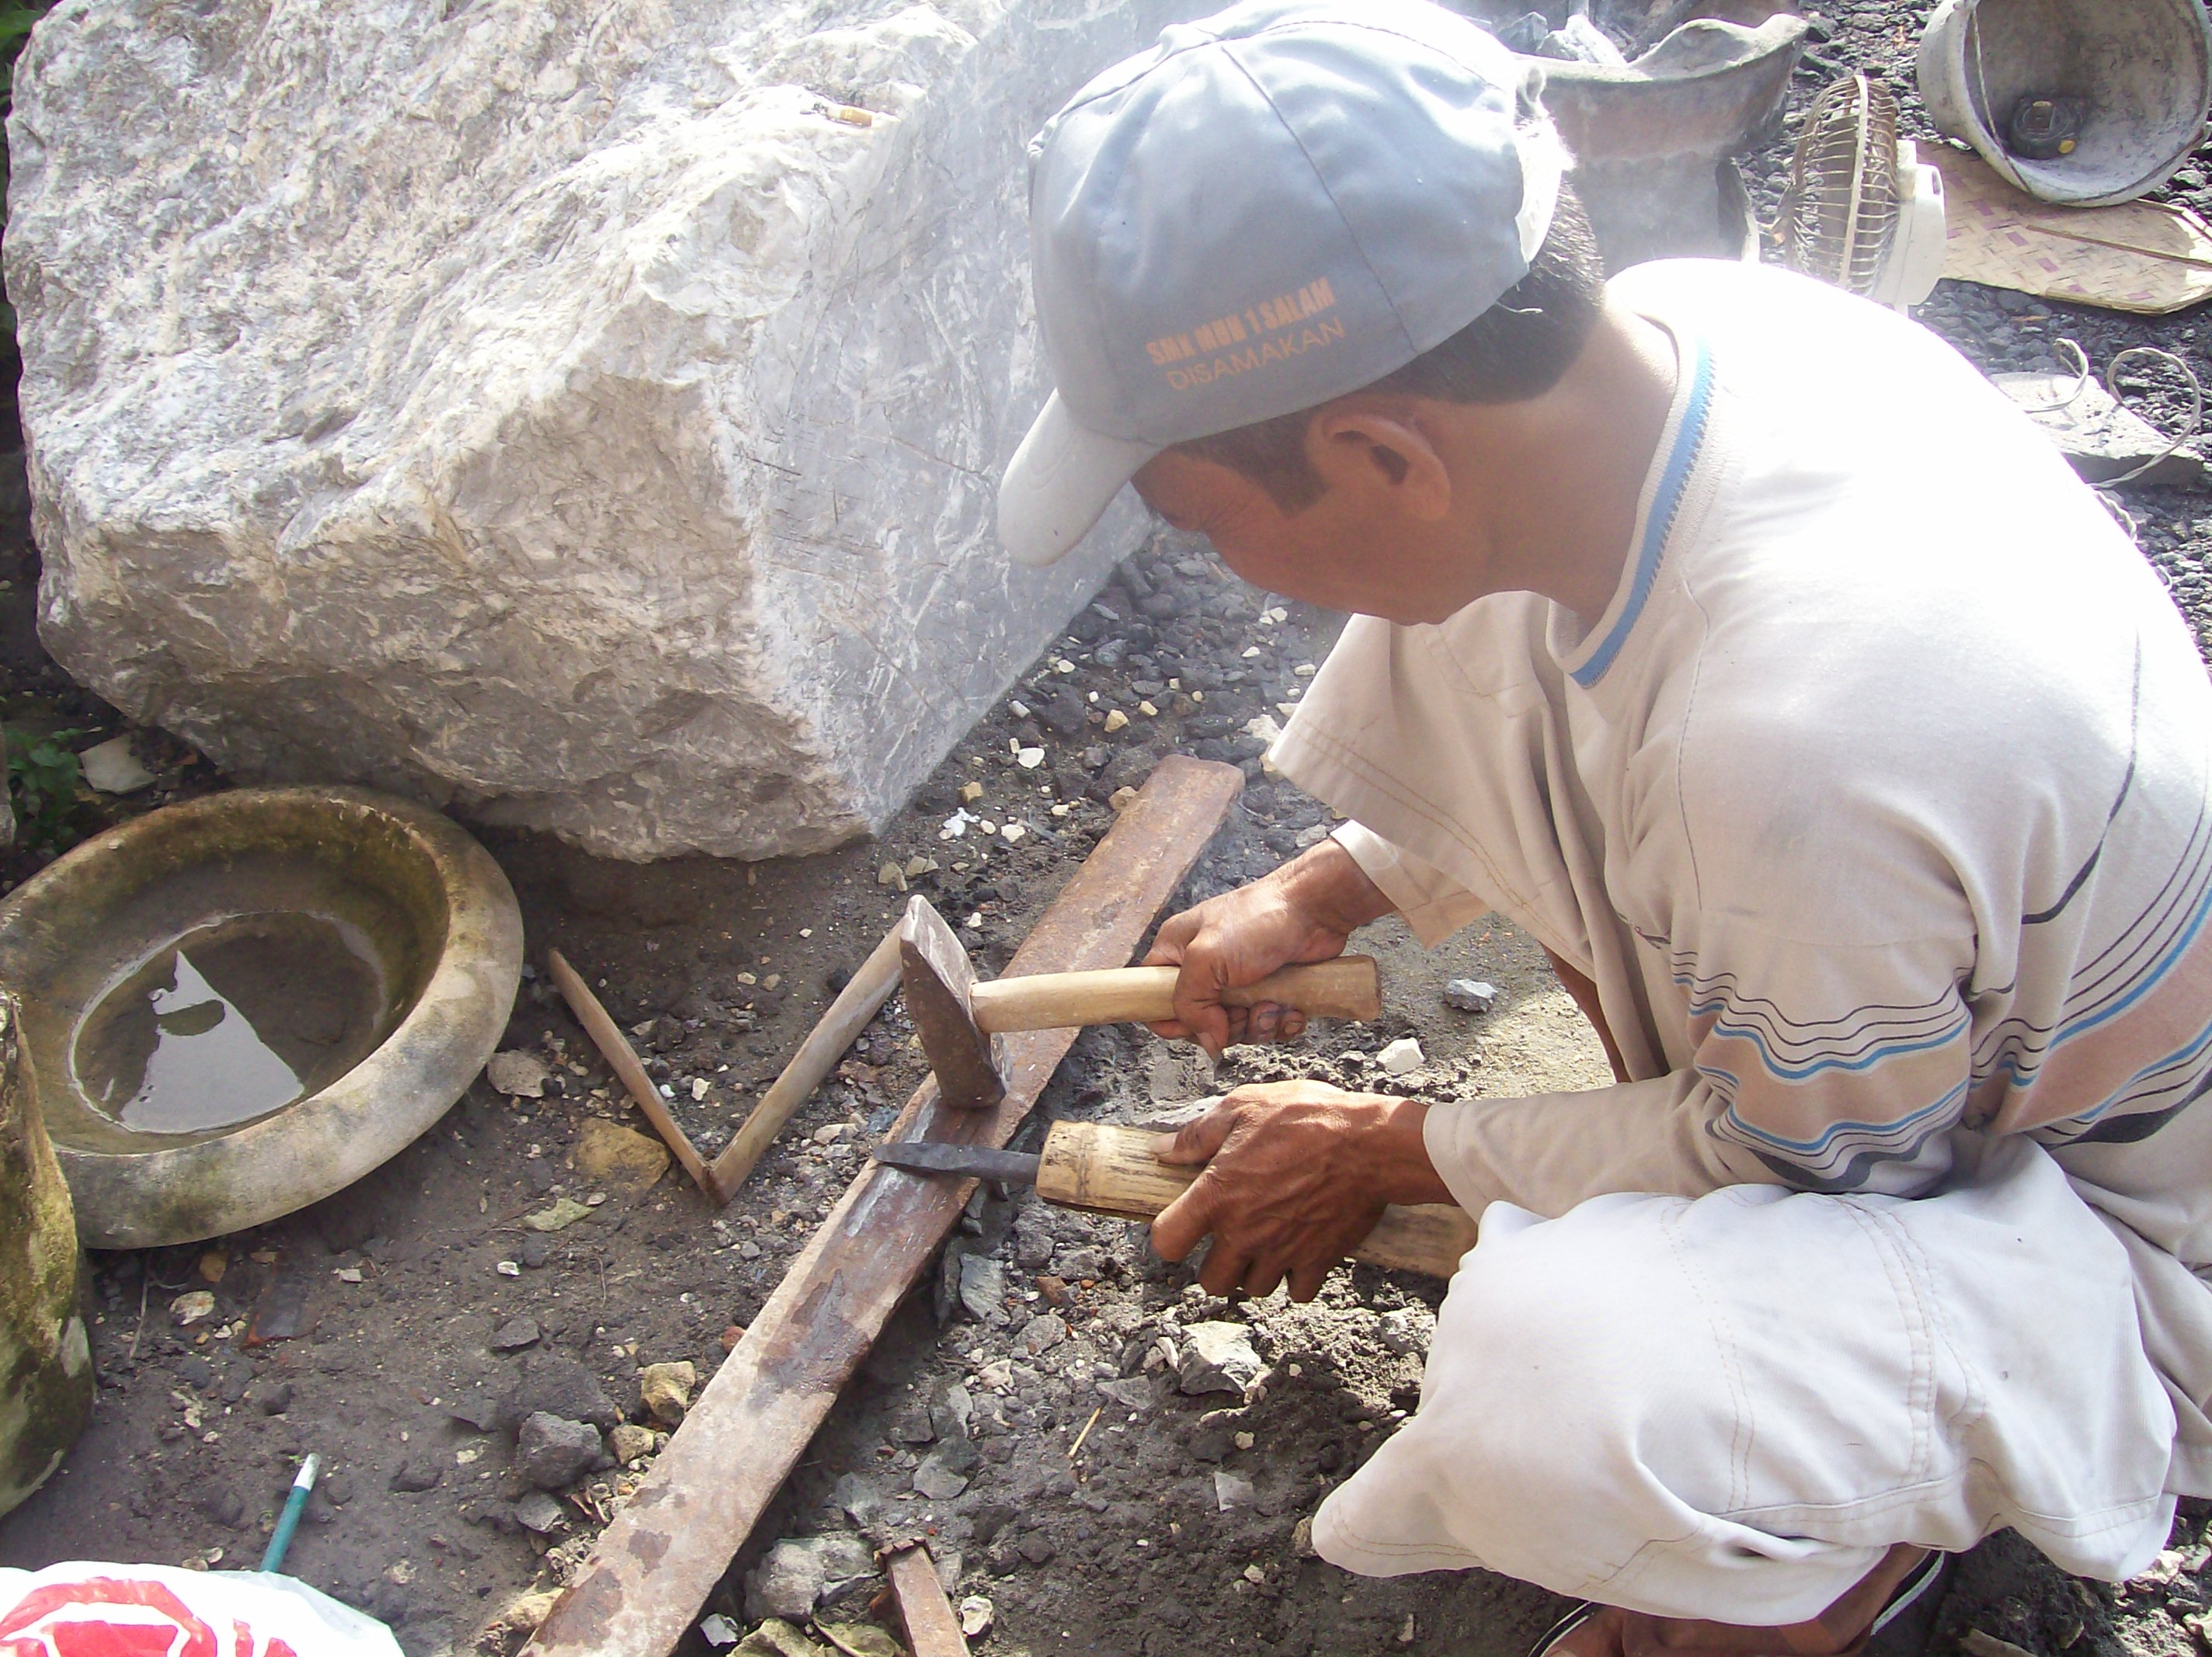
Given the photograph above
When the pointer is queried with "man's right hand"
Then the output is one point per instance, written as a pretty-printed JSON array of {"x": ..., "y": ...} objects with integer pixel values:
[{"x": 1304, "y": 911}]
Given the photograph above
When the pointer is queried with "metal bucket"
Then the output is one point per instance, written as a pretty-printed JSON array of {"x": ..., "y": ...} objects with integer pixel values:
[{"x": 2142, "y": 68}]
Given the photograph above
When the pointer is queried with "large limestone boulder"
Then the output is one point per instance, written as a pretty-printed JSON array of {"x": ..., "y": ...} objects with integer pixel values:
[{"x": 559, "y": 409}]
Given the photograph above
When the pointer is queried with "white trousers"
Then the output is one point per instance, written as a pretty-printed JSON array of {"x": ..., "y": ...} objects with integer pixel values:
[{"x": 1729, "y": 1407}]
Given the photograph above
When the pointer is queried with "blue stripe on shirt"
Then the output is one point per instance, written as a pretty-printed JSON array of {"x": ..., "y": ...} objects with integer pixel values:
[{"x": 1661, "y": 523}]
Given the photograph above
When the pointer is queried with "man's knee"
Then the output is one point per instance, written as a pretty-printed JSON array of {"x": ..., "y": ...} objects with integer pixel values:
[{"x": 1572, "y": 1354}]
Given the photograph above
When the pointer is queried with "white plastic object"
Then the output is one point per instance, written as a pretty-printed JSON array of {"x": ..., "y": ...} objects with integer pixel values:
[
  {"x": 87, "y": 1606},
  {"x": 1915, "y": 258}
]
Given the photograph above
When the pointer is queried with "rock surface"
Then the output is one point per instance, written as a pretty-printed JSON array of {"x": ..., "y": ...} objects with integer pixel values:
[
  {"x": 1217, "y": 1358},
  {"x": 799, "y": 1575},
  {"x": 558, "y": 412},
  {"x": 551, "y": 1452}
]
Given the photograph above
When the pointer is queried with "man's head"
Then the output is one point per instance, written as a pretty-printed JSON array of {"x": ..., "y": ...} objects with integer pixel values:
[{"x": 1279, "y": 214}]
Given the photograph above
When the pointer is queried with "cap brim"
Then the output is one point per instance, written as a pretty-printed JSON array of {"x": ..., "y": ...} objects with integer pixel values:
[{"x": 1059, "y": 482}]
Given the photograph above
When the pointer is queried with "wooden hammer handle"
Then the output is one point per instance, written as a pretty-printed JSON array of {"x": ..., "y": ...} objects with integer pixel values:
[
  {"x": 1112, "y": 1170},
  {"x": 1346, "y": 987}
]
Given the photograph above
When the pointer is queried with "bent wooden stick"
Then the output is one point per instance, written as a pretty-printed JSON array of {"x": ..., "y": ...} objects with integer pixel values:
[
  {"x": 654, "y": 1566},
  {"x": 622, "y": 1059},
  {"x": 848, "y": 1015}
]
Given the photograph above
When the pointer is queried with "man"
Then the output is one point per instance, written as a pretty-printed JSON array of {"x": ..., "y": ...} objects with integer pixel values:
[{"x": 1732, "y": 636}]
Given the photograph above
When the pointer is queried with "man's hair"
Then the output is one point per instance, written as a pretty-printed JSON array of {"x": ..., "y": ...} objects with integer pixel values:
[{"x": 1519, "y": 348}]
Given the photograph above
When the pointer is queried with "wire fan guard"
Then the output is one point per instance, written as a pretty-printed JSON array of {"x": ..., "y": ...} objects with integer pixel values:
[
  {"x": 1861, "y": 210},
  {"x": 1841, "y": 209}
]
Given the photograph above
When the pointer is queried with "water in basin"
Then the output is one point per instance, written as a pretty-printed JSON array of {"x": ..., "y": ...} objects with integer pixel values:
[{"x": 232, "y": 1021}]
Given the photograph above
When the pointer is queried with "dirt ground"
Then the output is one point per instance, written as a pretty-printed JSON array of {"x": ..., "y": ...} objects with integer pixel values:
[{"x": 430, "y": 1317}]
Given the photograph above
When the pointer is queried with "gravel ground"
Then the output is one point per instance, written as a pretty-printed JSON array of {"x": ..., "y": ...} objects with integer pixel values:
[{"x": 1174, "y": 1527}]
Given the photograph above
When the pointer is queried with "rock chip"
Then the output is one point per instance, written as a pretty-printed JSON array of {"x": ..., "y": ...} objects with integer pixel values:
[
  {"x": 560, "y": 1387},
  {"x": 476, "y": 1409},
  {"x": 616, "y": 1156},
  {"x": 558, "y": 1215},
  {"x": 630, "y": 1442},
  {"x": 861, "y": 1640},
  {"x": 111, "y": 767},
  {"x": 984, "y": 1287},
  {"x": 1043, "y": 1332},
  {"x": 1232, "y": 1490},
  {"x": 951, "y": 1411},
  {"x": 1470, "y": 995},
  {"x": 539, "y": 1512},
  {"x": 975, "y": 1615},
  {"x": 800, "y": 1572},
  {"x": 188, "y": 1309},
  {"x": 936, "y": 1481},
  {"x": 1135, "y": 1393},
  {"x": 664, "y": 1390},
  {"x": 518, "y": 1073},
  {"x": 515, "y": 1334},
  {"x": 777, "y": 1638},
  {"x": 551, "y": 1452},
  {"x": 1406, "y": 1331},
  {"x": 1401, "y": 1056},
  {"x": 1217, "y": 1358},
  {"x": 418, "y": 1473},
  {"x": 1085, "y": 1263}
]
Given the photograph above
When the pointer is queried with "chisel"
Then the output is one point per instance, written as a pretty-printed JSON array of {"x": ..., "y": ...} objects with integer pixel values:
[{"x": 1100, "y": 1169}]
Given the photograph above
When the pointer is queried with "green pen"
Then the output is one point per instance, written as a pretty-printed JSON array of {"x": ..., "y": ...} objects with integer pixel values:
[{"x": 272, "y": 1558}]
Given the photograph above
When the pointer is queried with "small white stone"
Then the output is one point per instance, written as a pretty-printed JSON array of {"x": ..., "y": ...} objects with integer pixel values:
[
  {"x": 1231, "y": 1491},
  {"x": 1013, "y": 833},
  {"x": 1019, "y": 709},
  {"x": 112, "y": 768},
  {"x": 1249, "y": 652},
  {"x": 974, "y": 922},
  {"x": 1115, "y": 721},
  {"x": 1028, "y": 758},
  {"x": 698, "y": 1088},
  {"x": 518, "y": 1074},
  {"x": 976, "y": 1614},
  {"x": 1148, "y": 710},
  {"x": 1402, "y": 1057}
]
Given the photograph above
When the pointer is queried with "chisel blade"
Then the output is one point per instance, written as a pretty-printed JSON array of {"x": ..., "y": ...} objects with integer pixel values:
[{"x": 968, "y": 1162}]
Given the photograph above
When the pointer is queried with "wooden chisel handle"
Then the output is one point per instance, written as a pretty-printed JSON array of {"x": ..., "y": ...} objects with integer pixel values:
[
  {"x": 1346, "y": 987},
  {"x": 1112, "y": 1170}
]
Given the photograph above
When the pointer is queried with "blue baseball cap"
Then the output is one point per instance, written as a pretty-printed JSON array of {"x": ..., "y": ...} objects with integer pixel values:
[{"x": 1274, "y": 206}]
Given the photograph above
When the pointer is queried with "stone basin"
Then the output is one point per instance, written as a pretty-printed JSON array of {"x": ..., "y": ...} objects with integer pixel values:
[{"x": 235, "y": 1007}]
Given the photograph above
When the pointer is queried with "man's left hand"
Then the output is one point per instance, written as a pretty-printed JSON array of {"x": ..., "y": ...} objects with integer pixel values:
[{"x": 1297, "y": 1173}]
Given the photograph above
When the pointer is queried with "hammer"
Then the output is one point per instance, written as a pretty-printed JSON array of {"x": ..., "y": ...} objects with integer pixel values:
[{"x": 960, "y": 1021}]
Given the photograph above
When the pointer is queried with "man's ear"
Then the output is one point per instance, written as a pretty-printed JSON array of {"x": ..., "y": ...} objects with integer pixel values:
[{"x": 1383, "y": 455}]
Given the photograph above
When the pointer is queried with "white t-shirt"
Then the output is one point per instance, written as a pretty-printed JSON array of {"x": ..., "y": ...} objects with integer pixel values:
[{"x": 1878, "y": 803}]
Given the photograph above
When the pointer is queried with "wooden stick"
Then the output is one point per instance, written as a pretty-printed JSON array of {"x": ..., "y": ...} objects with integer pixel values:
[
  {"x": 623, "y": 1058},
  {"x": 933, "y": 1628},
  {"x": 848, "y": 1015},
  {"x": 1103, "y": 1169},
  {"x": 654, "y": 1566},
  {"x": 1346, "y": 987}
]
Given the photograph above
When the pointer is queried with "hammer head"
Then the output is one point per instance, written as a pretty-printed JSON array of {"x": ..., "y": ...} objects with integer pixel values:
[{"x": 934, "y": 971}]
